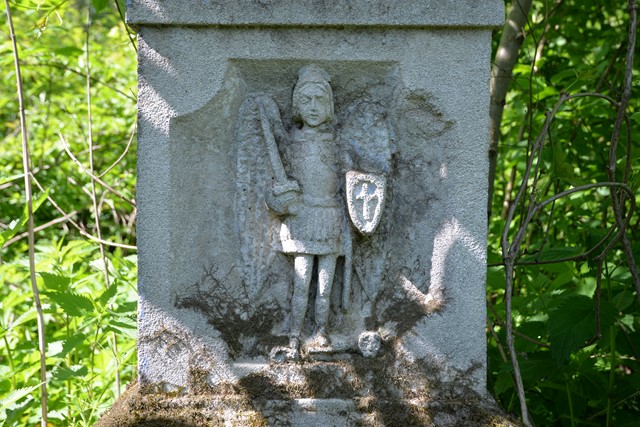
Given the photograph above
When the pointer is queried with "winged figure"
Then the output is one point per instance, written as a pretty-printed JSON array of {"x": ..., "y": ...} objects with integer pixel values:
[{"x": 292, "y": 189}]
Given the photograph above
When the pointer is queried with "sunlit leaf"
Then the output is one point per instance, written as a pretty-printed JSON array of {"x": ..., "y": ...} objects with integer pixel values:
[
  {"x": 72, "y": 304},
  {"x": 16, "y": 395},
  {"x": 62, "y": 348},
  {"x": 55, "y": 282},
  {"x": 108, "y": 294},
  {"x": 68, "y": 51}
]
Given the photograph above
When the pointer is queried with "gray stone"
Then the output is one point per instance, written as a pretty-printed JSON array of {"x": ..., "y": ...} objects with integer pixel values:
[
  {"x": 264, "y": 272},
  {"x": 318, "y": 13}
]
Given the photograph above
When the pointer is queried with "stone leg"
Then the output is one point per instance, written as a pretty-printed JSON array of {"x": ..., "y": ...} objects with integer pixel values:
[
  {"x": 303, "y": 268},
  {"x": 326, "y": 270}
]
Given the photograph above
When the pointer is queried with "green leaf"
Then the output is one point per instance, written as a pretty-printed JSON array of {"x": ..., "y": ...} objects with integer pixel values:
[
  {"x": 55, "y": 282},
  {"x": 98, "y": 5},
  {"x": 5, "y": 179},
  {"x": 16, "y": 395},
  {"x": 538, "y": 368},
  {"x": 570, "y": 325},
  {"x": 54, "y": 348},
  {"x": 61, "y": 348},
  {"x": 12, "y": 230},
  {"x": 69, "y": 51},
  {"x": 546, "y": 92},
  {"x": 75, "y": 371},
  {"x": 108, "y": 294},
  {"x": 623, "y": 300},
  {"x": 72, "y": 304},
  {"x": 25, "y": 317},
  {"x": 553, "y": 254},
  {"x": 37, "y": 202},
  {"x": 592, "y": 382},
  {"x": 123, "y": 326},
  {"x": 16, "y": 225},
  {"x": 505, "y": 380}
]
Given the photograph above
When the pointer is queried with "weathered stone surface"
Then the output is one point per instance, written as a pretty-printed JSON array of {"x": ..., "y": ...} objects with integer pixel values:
[
  {"x": 250, "y": 120},
  {"x": 258, "y": 404},
  {"x": 283, "y": 13}
]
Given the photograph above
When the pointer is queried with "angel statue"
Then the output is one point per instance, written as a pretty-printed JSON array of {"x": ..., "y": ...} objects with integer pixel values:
[{"x": 304, "y": 195}]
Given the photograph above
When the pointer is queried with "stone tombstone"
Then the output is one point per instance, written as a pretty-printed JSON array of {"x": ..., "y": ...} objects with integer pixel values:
[{"x": 312, "y": 183}]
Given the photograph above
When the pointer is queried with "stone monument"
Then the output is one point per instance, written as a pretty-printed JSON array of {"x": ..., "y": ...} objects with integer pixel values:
[{"x": 312, "y": 210}]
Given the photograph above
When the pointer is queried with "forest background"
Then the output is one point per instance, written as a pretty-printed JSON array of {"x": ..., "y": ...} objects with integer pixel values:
[{"x": 563, "y": 293}]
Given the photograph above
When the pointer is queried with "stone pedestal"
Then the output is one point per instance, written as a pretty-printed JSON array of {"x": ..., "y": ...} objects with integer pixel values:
[{"x": 339, "y": 144}]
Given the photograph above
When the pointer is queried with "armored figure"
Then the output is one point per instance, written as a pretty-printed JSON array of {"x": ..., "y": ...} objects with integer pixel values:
[
  {"x": 306, "y": 195},
  {"x": 313, "y": 225}
]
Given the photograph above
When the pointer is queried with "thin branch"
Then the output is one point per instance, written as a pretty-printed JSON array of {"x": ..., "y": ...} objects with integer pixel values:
[
  {"x": 564, "y": 97},
  {"x": 580, "y": 257},
  {"x": 622, "y": 186},
  {"x": 517, "y": 375},
  {"x": 126, "y": 27},
  {"x": 503, "y": 355},
  {"x": 94, "y": 198},
  {"x": 525, "y": 179},
  {"x": 510, "y": 250},
  {"x": 534, "y": 208},
  {"x": 89, "y": 172},
  {"x": 81, "y": 74},
  {"x": 119, "y": 159},
  {"x": 26, "y": 160},
  {"x": 508, "y": 193},
  {"x": 615, "y": 137},
  {"x": 77, "y": 226},
  {"x": 518, "y": 333},
  {"x": 40, "y": 228}
]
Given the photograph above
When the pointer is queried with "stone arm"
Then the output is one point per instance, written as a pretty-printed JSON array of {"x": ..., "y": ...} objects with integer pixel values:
[
  {"x": 284, "y": 194},
  {"x": 284, "y": 203}
]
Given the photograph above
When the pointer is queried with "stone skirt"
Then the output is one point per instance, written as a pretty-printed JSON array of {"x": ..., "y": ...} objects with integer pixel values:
[{"x": 314, "y": 230}]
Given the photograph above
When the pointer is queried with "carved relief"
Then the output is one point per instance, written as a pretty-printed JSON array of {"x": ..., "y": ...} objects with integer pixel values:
[
  {"x": 299, "y": 195},
  {"x": 365, "y": 199}
]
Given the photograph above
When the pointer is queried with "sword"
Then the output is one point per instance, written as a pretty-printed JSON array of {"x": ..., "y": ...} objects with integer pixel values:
[{"x": 283, "y": 183}]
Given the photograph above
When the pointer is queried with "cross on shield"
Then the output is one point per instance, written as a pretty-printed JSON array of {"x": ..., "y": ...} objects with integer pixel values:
[{"x": 365, "y": 199}]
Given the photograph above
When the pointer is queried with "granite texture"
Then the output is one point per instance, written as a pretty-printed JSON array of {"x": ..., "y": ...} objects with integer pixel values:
[
  {"x": 314, "y": 13},
  {"x": 418, "y": 279}
]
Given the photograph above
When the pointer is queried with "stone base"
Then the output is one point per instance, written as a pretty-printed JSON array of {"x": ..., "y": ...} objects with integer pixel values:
[
  {"x": 358, "y": 392},
  {"x": 138, "y": 409}
]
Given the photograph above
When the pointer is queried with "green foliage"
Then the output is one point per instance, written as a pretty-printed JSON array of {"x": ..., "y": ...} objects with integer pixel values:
[
  {"x": 81, "y": 316},
  {"x": 89, "y": 324},
  {"x": 577, "y": 326}
]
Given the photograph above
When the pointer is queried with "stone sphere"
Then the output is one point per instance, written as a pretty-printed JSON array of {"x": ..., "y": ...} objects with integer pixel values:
[{"x": 369, "y": 344}]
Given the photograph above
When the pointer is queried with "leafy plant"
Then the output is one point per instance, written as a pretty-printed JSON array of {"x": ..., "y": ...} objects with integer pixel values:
[
  {"x": 564, "y": 314},
  {"x": 78, "y": 94},
  {"x": 563, "y": 286}
]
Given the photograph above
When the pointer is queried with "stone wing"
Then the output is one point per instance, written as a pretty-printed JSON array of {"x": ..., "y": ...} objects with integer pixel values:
[
  {"x": 257, "y": 227},
  {"x": 367, "y": 137}
]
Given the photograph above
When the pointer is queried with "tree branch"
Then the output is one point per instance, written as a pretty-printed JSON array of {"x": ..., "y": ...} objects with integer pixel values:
[
  {"x": 504, "y": 61},
  {"x": 615, "y": 137},
  {"x": 26, "y": 160}
]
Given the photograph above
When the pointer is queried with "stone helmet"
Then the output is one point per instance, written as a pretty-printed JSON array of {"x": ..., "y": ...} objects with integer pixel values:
[{"x": 312, "y": 75}]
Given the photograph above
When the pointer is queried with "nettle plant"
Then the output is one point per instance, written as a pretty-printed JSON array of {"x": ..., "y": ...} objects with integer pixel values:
[
  {"x": 68, "y": 263},
  {"x": 90, "y": 334},
  {"x": 563, "y": 310}
]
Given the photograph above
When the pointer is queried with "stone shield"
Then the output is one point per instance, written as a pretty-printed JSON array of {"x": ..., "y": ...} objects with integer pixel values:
[{"x": 365, "y": 199}]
